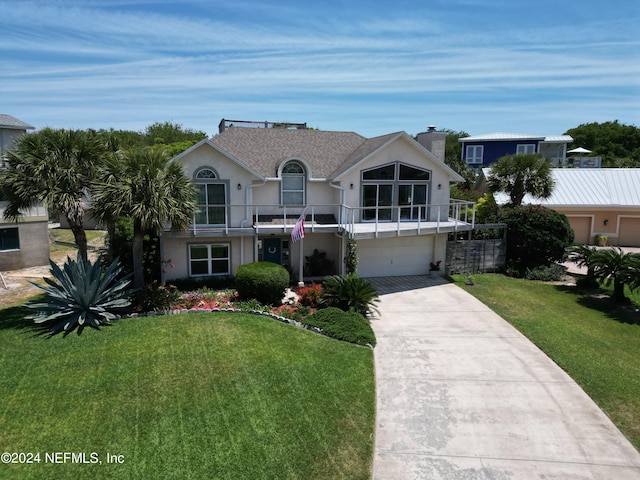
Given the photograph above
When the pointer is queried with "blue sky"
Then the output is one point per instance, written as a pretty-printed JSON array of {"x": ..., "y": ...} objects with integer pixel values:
[{"x": 372, "y": 67}]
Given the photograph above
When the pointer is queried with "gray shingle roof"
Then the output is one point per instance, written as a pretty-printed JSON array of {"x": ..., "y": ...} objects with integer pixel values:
[
  {"x": 7, "y": 121},
  {"x": 264, "y": 149}
]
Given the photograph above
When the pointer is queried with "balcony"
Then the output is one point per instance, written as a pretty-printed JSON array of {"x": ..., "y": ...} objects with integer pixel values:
[{"x": 357, "y": 222}]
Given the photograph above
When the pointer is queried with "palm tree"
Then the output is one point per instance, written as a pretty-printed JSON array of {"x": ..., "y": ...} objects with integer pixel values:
[
  {"x": 613, "y": 265},
  {"x": 582, "y": 256},
  {"x": 146, "y": 186},
  {"x": 55, "y": 167},
  {"x": 520, "y": 174}
]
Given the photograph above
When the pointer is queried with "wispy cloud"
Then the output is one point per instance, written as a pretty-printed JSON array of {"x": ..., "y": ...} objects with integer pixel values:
[{"x": 87, "y": 60}]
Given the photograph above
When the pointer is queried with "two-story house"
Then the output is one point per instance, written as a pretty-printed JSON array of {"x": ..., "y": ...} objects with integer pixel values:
[
  {"x": 389, "y": 193},
  {"x": 24, "y": 243},
  {"x": 483, "y": 150}
]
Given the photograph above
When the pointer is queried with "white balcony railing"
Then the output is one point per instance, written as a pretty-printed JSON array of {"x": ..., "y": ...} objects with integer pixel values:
[{"x": 453, "y": 216}]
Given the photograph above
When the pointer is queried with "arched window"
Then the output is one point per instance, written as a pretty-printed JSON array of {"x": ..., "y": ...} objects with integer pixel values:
[
  {"x": 293, "y": 184},
  {"x": 211, "y": 197}
]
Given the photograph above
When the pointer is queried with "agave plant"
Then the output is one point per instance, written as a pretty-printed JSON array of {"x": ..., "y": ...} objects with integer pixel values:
[
  {"x": 350, "y": 292},
  {"x": 81, "y": 294}
]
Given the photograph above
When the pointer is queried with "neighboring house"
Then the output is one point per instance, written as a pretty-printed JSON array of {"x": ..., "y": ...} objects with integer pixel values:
[
  {"x": 389, "y": 193},
  {"x": 483, "y": 150},
  {"x": 24, "y": 243},
  {"x": 597, "y": 201}
]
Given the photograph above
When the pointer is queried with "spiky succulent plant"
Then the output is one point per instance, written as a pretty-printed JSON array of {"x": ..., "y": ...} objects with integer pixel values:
[{"x": 81, "y": 294}]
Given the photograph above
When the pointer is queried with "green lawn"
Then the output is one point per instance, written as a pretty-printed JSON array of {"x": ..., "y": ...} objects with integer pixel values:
[
  {"x": 210, "y": 395},
  {"x": 594, "y": 341}
]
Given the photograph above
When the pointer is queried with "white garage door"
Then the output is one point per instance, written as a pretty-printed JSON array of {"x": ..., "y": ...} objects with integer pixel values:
[{"x": 393, "y": 257}]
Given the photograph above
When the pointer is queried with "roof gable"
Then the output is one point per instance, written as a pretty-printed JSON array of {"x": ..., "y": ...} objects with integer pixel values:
[
  {"x": 373, "y": 145},
  {"x": 9, "y": 122},
  {"x": 207, "y": 143}
]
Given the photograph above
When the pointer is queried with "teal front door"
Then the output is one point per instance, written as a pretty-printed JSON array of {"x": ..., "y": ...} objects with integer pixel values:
[{"x": 272, "y": 250}]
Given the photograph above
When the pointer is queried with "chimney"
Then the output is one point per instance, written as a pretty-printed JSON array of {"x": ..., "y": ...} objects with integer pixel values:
[{"x": 433, "y": 141}]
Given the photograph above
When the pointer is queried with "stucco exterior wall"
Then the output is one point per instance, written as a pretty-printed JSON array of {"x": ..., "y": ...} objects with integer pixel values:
[
  {"x": 34, "y": 246},
  {"x": 622, "y": 225}
]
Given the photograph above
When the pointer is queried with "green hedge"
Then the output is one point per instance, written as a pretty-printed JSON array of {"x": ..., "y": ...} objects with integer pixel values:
[
  {"x": 264, "y": 281},
  {"x": 348, "y": 326}
]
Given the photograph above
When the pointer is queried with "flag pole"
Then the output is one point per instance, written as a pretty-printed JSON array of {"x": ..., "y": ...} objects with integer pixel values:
[{"x": 301, "y": 264}]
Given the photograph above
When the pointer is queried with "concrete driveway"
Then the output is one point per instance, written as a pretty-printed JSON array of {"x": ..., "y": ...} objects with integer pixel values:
[{"x": 461, "y": 394}]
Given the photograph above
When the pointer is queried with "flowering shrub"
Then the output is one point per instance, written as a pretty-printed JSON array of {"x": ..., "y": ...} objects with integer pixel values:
[
  {"x": 156, "y": 297},
  {"x": 309, "y": 296}
]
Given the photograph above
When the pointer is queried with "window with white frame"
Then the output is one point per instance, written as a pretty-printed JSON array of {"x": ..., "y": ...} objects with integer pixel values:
[
  {"x": 209, "y": 259},
  {"x": 526, "y": 148},
  {"x": 474, "y": 153},
  {"x": 211, "y": 198},
  {"x": 293, "y": 184}
]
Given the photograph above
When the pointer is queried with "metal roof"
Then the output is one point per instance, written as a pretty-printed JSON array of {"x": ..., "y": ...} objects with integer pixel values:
[
  {"x": 584, "y": 187},
  {"x": 502, "y": 136},
  {"x": 7, "y": 121}
]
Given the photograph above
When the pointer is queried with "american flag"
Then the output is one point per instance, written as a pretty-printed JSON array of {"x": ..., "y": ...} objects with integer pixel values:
[{"x": 298, "y": 230}]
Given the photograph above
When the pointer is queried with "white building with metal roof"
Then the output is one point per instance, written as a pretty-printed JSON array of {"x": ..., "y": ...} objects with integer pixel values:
[{"x": 597, "y": 201}]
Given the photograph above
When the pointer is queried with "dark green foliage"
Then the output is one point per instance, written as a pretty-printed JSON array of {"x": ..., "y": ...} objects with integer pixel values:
[
  {"x": 264, "y": 281},
  {"x": 81, "y": 294},
  {"x": 453, "y": 158},
  {"x": 119, "y": 244},
  {"x": 317, "y": 264},
  {"x": 348, "y": 326},
  {"x": 350, "y": 292},
  {"x": 214, "y": 282},
  {"x": 351, "y": 258},
  {"x": 612, "y": 265},
  {"x": 582, "y": 255},
  {"x": 618, "y": 144},
  {"x": 521, "y": 174},
  {"x": 536, "y": 236},
  {"x": 166, "y": 133},
  {"x": 546, "y": 273},
  {"x": 157, "y": 298}
]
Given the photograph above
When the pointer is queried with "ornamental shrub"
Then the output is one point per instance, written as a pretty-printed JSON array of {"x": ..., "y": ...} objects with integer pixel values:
[
  {"x": 347, "y": 326},
  {"x": 266, "y": 282},
  {"x": 81, "y": 294},
  {"x": 309, "y": 296},
  {"x": 536, "y": 236},
  {"x": 546, "y": 273},
  {"x": 350, "y": 292}
]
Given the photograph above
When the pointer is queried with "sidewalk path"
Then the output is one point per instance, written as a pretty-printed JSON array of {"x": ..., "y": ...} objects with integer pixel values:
[{"x": 461, "y": 394}]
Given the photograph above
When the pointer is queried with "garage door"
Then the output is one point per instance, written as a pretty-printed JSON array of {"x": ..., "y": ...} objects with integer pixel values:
[
  {"x": 581, "y": 229},
  {"x": 393, "y": 257},
  {"x": 629, "y": 232}
]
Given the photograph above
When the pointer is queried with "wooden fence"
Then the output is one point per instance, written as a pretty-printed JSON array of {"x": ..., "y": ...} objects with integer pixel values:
[{"x": 476, "y": 255}]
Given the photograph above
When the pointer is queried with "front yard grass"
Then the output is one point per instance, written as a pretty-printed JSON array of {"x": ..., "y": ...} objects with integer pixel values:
[
  {"x": 592, "y": 339},
  {"x": 206, "y": 395}
]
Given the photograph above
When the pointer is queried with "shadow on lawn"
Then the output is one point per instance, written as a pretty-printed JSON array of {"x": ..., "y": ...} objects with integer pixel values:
[
  {"x": 15, "y": 318},
  {"x": 598, "y": 300}
]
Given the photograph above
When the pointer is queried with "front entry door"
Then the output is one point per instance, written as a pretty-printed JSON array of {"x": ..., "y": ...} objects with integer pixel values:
[{"x": 272, "y": 250}]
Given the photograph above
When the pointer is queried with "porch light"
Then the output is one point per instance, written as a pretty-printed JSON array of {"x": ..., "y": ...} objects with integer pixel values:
[
  {"x": 439, "y": 186},
  {"x": 351, "y": 186},
  {"x": 606, "y": 222},
  {"x": 239, "y": 187}
]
